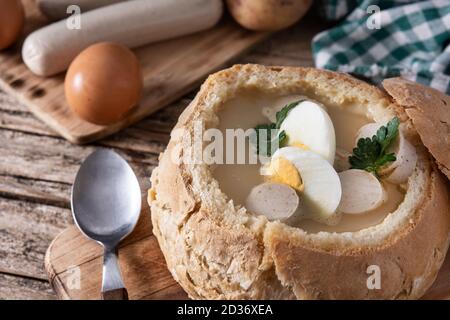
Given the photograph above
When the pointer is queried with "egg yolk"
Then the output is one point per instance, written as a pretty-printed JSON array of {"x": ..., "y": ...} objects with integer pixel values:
[
  {"x": 283, "y": 171},
  {"x": 299, "y": 145}
]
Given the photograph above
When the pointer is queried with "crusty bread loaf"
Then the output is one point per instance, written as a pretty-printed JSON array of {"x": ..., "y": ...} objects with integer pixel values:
[{"x": 217, "y": 250}]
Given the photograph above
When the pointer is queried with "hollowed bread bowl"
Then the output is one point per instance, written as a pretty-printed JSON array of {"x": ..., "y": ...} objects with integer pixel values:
[{"x": 218, "y": 250}]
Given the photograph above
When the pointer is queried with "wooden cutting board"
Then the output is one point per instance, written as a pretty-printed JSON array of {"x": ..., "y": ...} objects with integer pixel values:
[
  {"x": 74, "y": 266},
  {"x": 171, "y": 69}
]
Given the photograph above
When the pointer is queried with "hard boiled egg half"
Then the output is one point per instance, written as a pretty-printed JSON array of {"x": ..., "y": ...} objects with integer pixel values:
[
  {"x": 309, "y": 126},
  {"x": 318, "y": 184}
]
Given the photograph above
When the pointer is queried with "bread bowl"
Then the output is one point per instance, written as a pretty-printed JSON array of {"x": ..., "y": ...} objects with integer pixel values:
[{"x": 216, "y": 249}]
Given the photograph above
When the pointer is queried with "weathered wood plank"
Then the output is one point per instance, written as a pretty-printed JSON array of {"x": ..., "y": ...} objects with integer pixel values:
[
  {"x": 39, "y": 169},
  {"x": 8, "y": 102},
  {"x": 165, "y": 119},
  {"x": 150, "y": 136},
  {"x": 16, "y": 116},
  {"x": 19, "y": 120},
  {"x": 39, "y": 157},
  {"x": 19, "y": 288},
  {"x": 45, "y": 192},
  {"x": 26, "y": 230},
  {"x": 56, "y": 160},
  {"x": 137, "y": 140}
]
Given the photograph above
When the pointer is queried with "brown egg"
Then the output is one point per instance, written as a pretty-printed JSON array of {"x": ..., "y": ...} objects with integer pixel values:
[
  {"x": 103, "y": 83},
  {"x": 12, "y": 18}
]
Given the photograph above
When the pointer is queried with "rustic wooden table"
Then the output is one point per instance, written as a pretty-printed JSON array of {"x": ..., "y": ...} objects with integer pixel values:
[{"x": 37, "y": 168}]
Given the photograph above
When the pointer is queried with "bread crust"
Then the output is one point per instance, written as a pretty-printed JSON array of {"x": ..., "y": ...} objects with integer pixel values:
[
  {"x": 217, "y": 250},
  {"x": 429, "y": 110}
]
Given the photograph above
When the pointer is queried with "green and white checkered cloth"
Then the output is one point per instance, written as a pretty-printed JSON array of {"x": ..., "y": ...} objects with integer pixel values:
[{"x": 378, "y": 39}]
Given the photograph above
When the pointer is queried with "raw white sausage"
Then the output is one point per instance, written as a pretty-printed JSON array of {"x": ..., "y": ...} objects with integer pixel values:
[
  {"x": 51, "y": 49},
  {"x": 57, "y": 9}
]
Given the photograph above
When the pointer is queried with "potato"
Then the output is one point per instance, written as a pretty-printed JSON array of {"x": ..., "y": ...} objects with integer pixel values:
[{"x": 268, "y": 15}]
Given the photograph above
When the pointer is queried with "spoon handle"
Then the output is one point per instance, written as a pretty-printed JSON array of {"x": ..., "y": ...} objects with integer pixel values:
[
  {"x": 118, "y": 294},
  {"x": 113, "y": 287}
]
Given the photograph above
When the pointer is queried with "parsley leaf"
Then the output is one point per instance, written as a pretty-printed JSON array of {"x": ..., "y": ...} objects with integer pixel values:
[
  {"x": 282, "y": 137},
  {"x": 385, "y": 135},
  {"x": 268, "y": 141},
  {"x": 282, "y": 114},
  {"x": 371, "y": 154},
  {"x": 265, "y": 134}
]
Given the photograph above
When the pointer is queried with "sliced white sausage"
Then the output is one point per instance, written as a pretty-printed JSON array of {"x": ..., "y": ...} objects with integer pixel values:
[
  {"x": 57, "y": 9},
  {"x": 341, "y": 162},
  {"x": 406, "y": 157},
  {"x": 361, "y": 192},
  {"x": 51, "y": 49},
  {"x": 367, "y": 131},
  {"x": 402, "y": 168},
  {"x": 276, "y": 201}
]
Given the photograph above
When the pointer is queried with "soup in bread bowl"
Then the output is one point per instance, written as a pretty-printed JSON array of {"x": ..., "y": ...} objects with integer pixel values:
[{"x": 298, "y": 183}]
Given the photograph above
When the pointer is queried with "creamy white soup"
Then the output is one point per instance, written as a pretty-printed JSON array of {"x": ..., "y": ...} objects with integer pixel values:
[{"x": 237, "y": 180}]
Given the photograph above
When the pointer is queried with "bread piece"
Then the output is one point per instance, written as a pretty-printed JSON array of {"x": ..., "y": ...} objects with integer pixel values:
[
  {"x": 429, "y": 110},
  {"x": 217, "y": 250}
]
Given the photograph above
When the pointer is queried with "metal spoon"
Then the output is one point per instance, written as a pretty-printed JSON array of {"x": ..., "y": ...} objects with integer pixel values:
[{"x": 106, "y": 204}]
